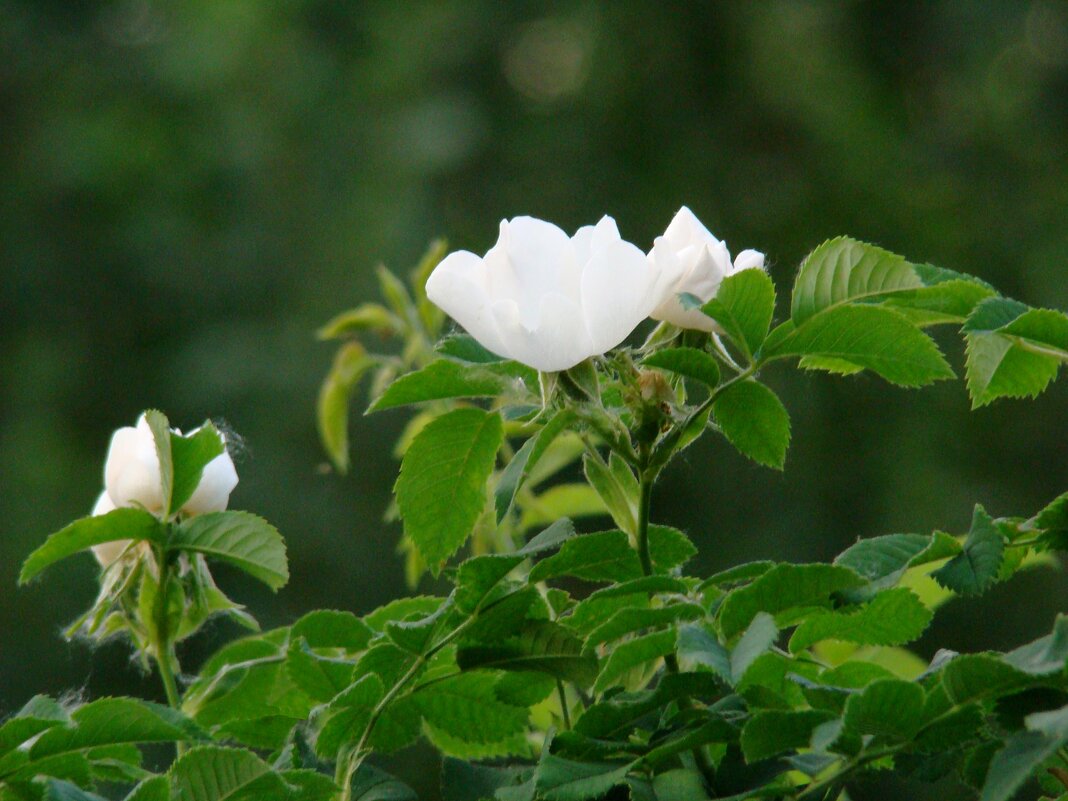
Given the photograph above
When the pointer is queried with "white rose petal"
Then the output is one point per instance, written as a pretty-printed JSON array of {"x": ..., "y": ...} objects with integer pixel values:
[
  {"x": 546, "y": 299},
  {"x": 131, "y": 474},
  {"x": 107, "y": 552},
  {"x": 699, "y": 263},
  {"x": 216, "y": 483}
]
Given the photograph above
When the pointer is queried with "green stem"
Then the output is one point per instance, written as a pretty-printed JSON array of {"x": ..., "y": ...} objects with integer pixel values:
[
  {"x": 671, "y": 663},
  {"x": 356, "y": 756},
  {"x": 563, "y": 704},
  {"x": 644, "y": 502},
  {"x": 162, "y": 644}
]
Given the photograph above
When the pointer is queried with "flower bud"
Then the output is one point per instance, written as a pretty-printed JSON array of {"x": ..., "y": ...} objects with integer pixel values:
[
  {"x": 700, "y": 262},
  {"x": 132, "y": 474}
]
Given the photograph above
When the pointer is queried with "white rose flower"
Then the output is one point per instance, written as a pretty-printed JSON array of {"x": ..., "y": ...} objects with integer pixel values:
[
  {"x": 546, "y": 299},
  {"x": 132, "y": 476},
  {"x": 699, "y": 263}
]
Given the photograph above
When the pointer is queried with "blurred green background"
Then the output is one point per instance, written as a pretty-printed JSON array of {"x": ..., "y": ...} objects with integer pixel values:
[{"x": 189, "y": 189}]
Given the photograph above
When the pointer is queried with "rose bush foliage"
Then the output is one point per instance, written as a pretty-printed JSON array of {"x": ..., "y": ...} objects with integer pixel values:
[{"x": 572, "y": 658}]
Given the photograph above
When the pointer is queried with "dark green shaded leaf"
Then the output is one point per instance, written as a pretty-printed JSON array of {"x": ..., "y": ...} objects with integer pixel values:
[
  {"x": 976, "y": 568},
  {"x": 541, "y": 646},
  {"x": 771, "y": 732},
  {"x": 887, "y": 708},
  {"x": 559, "y": 779}
]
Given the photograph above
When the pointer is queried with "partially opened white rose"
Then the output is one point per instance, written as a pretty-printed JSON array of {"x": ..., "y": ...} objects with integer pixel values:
[
  {"x": 132, "y": 477},
  {"x": 546, "y": 299},
  {"x": 699, "y": 263}
]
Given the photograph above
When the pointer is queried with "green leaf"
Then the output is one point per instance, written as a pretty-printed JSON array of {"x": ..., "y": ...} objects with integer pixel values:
[
  {"x": 782, "y": 588},
  {"x": 463, "y": 781},
  {"x": 466, "y": 348},
  {"x": 631, "y": 619},
  {"x": 888, "y": 708},
  {"x": 350, "y": 365},
  {"x": 59, "y": 790},
  {"x": 345, "y": 719},
  {"x": 874, "y": 337},
  {"x": 604, "y": 556},
  {"x": 189, "y": 456},
  {"x": 842, "y": 270},
  {"x": 829, "y": 364},
  {"x": 241, "y": 539},
  {"x": 882, "y": 560},
  {"x": 161, "y": 434},
  {"x": 617, "y": 487},
  {"x": 975, "y": 569},
  {"x": 698, "y": 645},
  {"x": 155, "y": 788},
  {"x": 365, "y": 317},
  {"x": 614, "y": 718},
  {"x": 541, "y": 647},
  {"x": 409, "y": 608},
  {"x": 466, "y": 706},
  {"x": 526, "y": 459},
  {"x": 755, "y": 422},
  {"x": 681, "y": 784},
  {"x": 628, "y": 655},
  {"x": 437, "y": 381},
  {"x": 114, "y": 721},
  {"x": 371, "y": 784},
  {"x": 320, "y": 677},
  {"x": 1024, "y": 752},
  {"x": 669, "y": 548},
  {"x": 743, "y": 307},
  {"x": 687, "y": 362},
  {"x": 971, "y": 677},
  {"x": 1046, "y": 655},
  {"x": 120, "y": 524},
  {"x": 757, "y": 639},
  {"x": 331, "y": 628},
  {"x": 771, "y": 732},
  {"x": 477, "y": 576},
  {"x": 997, "y": 368},
  {"x": 441, "y": 490},
  {"x": 893, "y": 617},
  {"x": 550, "y": 539},
  {"x": 559, "y": 779},
  {"x": 1013, "y": 351},
  {"x": 213, "y": 773}
]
